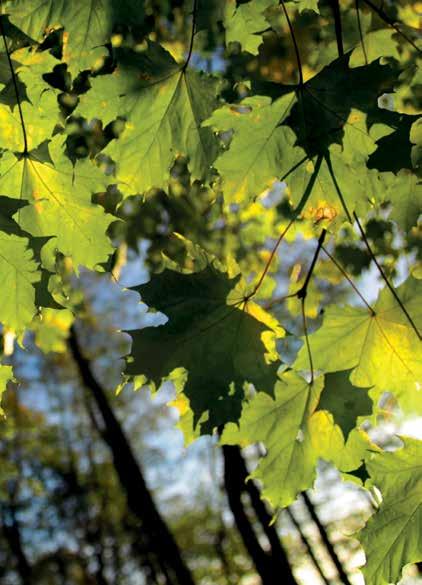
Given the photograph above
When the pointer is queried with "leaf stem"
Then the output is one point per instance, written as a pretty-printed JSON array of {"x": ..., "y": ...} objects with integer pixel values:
[
  {"x": 15, "y": 85},
  {"x": 384, "y": 277},
  {"x": 192, "y": 36},
  {"x": 336, "y": 185},
  {"x": 298, "y": 209},
  {"x": 335, "y": 9},
  {"x": 295, "y": 45},
  {"x": 305, "y": 332}
]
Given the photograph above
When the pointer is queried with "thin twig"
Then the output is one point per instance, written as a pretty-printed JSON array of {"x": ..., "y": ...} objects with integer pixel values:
[
  {"x": 391, "y": 23},
  {"x": 349, "y": 280},
  {"x": 15, "y": 85},
  {"x": 384, "y": 277},
  {"x": 336, "y": 185},
  {"x": 295, "y": 45},
  {"x": 307, "y": 545},
  {"x": 270, "y": 259},
  {"x": 362, "y": 42},
  {"x": 343, "y": 576}
]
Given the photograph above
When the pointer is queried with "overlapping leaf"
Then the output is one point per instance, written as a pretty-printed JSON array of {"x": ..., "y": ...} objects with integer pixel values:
[
  {"x": 382, "y": 349},
  {"x": 245, "y": 24},
  {"x": 164, "y": 106},
  {"x": 344, "y": 401},
  {"x": 59, "y": 197},
  {"x": 88, "y": 23},
  {"x": 294, "y": 437},
  {"x": 261, "y": 150},
  {"x": 393, "y": 536},
  {"x": 38, "y": 103},
  {"x": 221, "y": 342}
]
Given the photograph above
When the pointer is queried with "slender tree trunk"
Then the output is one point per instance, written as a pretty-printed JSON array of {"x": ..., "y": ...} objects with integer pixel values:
[
  {"x": 325, "y": 539},
  {"x": 12, "y": 533},
  {"x": 307, "y": 545},
  {"x": 139, "y": 499},
  {"x": 272, "y": 566}
]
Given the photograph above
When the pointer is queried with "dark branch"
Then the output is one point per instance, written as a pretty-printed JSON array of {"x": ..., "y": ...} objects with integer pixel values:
[{"x": 335, "y": 8}]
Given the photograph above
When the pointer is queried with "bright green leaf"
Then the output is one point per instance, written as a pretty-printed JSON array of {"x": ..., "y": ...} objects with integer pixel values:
[
  {"x": 59, "y": 197},
  {"x": 375, "y": 44},
  {"x": 382, "y": 349},
  {"x": 261, "y": 150},
  {"x": 392, "y": 537},
  {"x": 164, "y": 114},
  {"x": 244, "y": 24}
]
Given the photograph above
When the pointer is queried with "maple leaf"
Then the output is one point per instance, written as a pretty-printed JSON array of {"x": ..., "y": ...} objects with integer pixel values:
[
  {"x": 261, "y": 150},
  {"x": 381, "y": 349},
  {"x": 282, "y": 425},
  {"x": 295, "y": 436},
  {"x": 221, "y": 341},
  {"x": 38, "y": 103},
  {"x": 59, "y": 197},
  {"x": 244, "y": 24},
  {"x": 375, "y": 44},
  {"x": 392, "y": 537},
  {"x": 164, "y": 106},
  {"x": 88, "y": 24}
]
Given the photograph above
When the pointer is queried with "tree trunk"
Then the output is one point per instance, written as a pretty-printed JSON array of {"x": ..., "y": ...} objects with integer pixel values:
[
  {"x": 139, "y": 499},
  {"x": 12, "y": 533},
  {"x": 272, "y": 566}
]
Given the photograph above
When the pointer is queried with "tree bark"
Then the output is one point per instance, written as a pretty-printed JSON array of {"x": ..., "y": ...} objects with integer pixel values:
[
  {"x": 272, "y": 566},
  {"x": 139, "y": 499}
]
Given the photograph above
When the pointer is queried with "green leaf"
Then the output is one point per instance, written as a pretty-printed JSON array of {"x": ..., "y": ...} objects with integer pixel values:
[
  {"x": 295, "y": 436},
  {"x": 261, "y": 150},
  {"x": 219, "y": 339},
  {"x": 39, "y": 103},
  {"x": 164, "y": 116},
  {"x": 344, "y": 401},
  {"x": 51, "y": 328},
  {"x": 18, "y": 274},
  {"x": 375, "y": 44},
  {"x": 405, "y": 194},
  {"x": 245, "y": 23},
  {"x": 282, "y": 425},
  {"x": 307, "y": 5},
  {"x": 88, "y": 24},
  {"x": 392, "y": 537},
  {"x": 416, "y": 140},
  {"x": 60, "y": 201},
  {"x": 382, "y": 349},
  {"x": 338, "y": 123}
]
